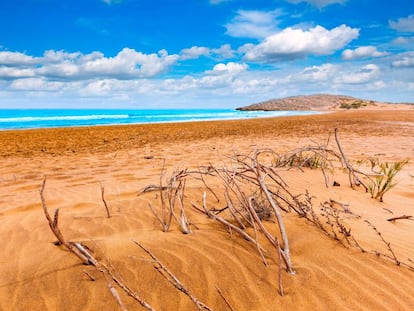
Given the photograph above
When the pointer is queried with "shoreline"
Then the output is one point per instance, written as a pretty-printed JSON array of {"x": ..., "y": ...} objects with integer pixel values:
[
  {"x": 100, "y": 117},
  {"x": 297, "y": 113},
  {"x": 68, "y": 140}
]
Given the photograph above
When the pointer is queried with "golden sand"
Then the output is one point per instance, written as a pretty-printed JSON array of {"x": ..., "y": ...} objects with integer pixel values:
[{"x": 35, "y": 274}]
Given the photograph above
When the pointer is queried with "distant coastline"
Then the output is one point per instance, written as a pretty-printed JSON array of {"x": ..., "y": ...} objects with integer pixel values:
[
  {"x": 323, "y": 102},
  {"x": 57, "y": 118}
]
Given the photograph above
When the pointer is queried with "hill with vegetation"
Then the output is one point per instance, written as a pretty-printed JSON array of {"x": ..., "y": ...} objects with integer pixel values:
[{"x": 319, "y": 102}]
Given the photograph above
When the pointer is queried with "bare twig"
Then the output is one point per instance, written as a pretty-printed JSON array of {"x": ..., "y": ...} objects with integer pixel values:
[
  {"x": 224, "y": 298},
  {"x": 353, "y": 178},
  {"x": 228, "y": 225},
  {"x": 388, "y": 244},
  {"x": 87, "y": 258},
  {"x": 53, "y": 224},
  {"x": 90, "y": 276},
  {"x": 105, "y": 269},
  {"x": 160, "y": 267},
  {"x": 114, "y": 293},
  {"x": 281, "y": 291},
  {"x": 400, "y": 217},
  {"x": 104, "y": 201}
]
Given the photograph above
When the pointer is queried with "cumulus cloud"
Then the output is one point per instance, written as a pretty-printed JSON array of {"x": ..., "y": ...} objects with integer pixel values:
[
  {"x": 405, "y": 60},
  {"x": 403, "y": 40},
  {"x": 229, "y": 68},
  {"x": 127, "y": 64},
  {"x": 362, "y": 52},
  {"x": 403, "y": 24},
  {"x": 225, "y": 51},
  {"x": 253, "y": 24},
  {"x": 16, "y": 59},
  {"x": 37, "y": 84},
  {"x": 366, "y": 74},
  {"x": 319, "y": 3},
  {"x": 13, "y": 73},
  {"x": 324, "y": 72},
  {"x": 292, "y": 43},
  {"x": 194, "y": 52},
  {"x": 221, "y": 76},
  {"x": 51, "y": 56}
]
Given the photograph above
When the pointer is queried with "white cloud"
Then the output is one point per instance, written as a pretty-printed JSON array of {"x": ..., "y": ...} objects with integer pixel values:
[
  {"x": 229, "y": 68},
  {"x": 63, "y": 66},
  {"x": 194, "y": 52},
  {"x": 128, "y": 63},
  {"x": 253, "y": 24},
  {"x": 324, "y": 72},
  {"x": 52, "y": 56},
  {"x": 362, "y": 52},
  {"x": 403, "y": 40},
  {"x": 319, "y": 3},
  {"x": 13, "y": 72},
  {"x": 37, "y": 84},
  {"x": 292, "y": 43},
  {"x": 221, "y": 76},
  {"x": 403, "y": 24},
  {"x": 16, "y": 59},
  {"x": 366, "y": 74},
  {"x": 225, "y": 51},
  {"x": 65, "y": 69},
  {"x": 405, "y": 60}
]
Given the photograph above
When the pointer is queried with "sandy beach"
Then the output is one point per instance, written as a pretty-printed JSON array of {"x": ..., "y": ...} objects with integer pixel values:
[{"x": 221, "y": 269}]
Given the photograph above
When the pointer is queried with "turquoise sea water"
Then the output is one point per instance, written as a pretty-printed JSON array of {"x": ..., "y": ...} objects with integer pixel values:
[{"x": 45, "y": 118}]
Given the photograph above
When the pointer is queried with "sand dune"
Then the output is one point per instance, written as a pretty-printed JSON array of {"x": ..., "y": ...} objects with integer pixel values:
[{"x": 38, "y": 275}]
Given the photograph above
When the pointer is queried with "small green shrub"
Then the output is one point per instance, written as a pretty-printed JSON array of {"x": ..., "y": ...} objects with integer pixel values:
[
  {"x": 354, "y": 105},
  {"x": 384, "y": 181}
]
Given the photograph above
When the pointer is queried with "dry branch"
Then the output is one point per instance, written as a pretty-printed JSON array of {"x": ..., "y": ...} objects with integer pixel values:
[
  {"x": 165, "y": 272},
  {"x": 229, "y": 225},
  {"x": 224, "y": 298},
  {"x": 87, "y": 258},
  {"x": 114, "y": 293},
  {"x": 388, "y": 244},
  {"x": 90, "y": 276},
  {"x": 53, "y": 224},
  {"x": 400, "y": 217},
  {"x": 104, "y": 201},
  {"x": 353, "y": 178}
]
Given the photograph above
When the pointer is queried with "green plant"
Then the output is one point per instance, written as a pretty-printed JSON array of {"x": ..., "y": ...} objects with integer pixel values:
[
  {"x": 384, "y": 180},
  {"x": 353, "y": 105}
]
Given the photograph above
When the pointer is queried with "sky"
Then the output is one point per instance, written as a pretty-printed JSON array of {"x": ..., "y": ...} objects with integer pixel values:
[{"x": 202, "y": 53}]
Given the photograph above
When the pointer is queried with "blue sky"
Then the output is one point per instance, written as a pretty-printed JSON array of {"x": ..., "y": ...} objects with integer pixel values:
[{"x": 202, "y": 53}]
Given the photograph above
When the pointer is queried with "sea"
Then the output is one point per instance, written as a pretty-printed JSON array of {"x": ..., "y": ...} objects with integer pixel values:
[{"x": 11, "y": 119}]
